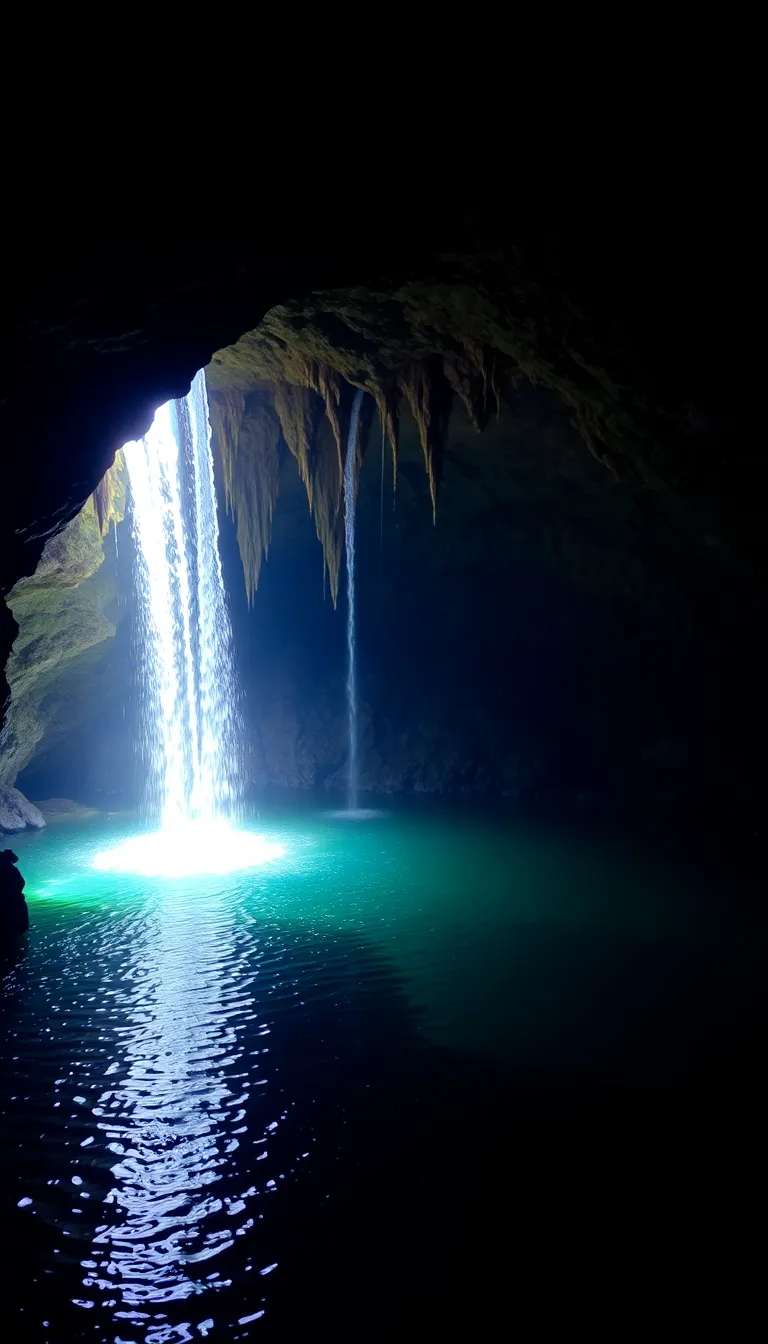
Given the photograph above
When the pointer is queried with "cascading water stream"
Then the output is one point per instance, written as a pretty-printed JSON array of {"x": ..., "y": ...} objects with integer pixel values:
[
  {"x": 190, "y": 693},
  {"x": 350, "y": 484},
  {"x": 186, "y": 639}
]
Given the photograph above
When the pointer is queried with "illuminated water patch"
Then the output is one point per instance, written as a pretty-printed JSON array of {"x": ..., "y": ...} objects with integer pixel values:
[
  {"x": 356, "y": 814},
  {"x": 188, "y": 850}
]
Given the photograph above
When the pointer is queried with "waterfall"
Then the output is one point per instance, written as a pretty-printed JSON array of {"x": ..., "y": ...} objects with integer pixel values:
[
  {"x": 189, "y": 685},
  {"x": 350, "y": 491},
  {"x": 188, "y": 673}
]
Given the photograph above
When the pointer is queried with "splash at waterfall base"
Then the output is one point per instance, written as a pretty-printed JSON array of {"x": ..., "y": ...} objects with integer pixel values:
[
  {"x": 190, "y": 733},
  {"x": 189, "y": 849}
]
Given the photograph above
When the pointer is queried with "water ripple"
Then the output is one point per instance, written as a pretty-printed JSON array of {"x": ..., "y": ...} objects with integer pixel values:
[
  {"x": 168, "y": 1117},
  {"x": 218, "y": 1097}
]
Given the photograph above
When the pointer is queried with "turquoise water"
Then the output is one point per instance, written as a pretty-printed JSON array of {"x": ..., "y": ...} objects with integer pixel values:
[{"x": 225, "y": 1099}]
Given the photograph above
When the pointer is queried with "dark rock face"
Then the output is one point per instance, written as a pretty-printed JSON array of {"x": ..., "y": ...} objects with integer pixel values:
[
  {"x": 17, "y": 813},
  {"x": 555, "y": 638},
  {"x": 61, "y": 615},
  {"x": 14, "y": 915}
]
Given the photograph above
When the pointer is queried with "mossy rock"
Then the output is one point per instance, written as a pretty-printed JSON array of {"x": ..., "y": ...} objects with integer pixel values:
[{"x": 60, "y": 612}]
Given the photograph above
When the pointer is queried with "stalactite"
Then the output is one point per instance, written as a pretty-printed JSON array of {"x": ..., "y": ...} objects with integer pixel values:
[
  {"x": 472, "y": 374},
  {"x": 312, "y": 400},
  {"x": 226, "y": 409},
  {"x": 364, "y": 424},
  {"x": 495, "y": 375},
  {"x": 590, "y": 426},
  {"x": 381, "y": 499},
  {"x": 247, "y": 443},
  {"x": 386, "y": 395},
  {"x": 429, "y": 397},
  {"x": 337, "y": 396},
  {"x": 300, "y": 412},
  {"x": 328, "y": 515},
  {"x": 313, "y": 419},
  {"x": 109, "y": 496},
  {"x": 101, "y": 503},
  {"x": 253, "y": 472},
  {"x": 425, "y": 341}
]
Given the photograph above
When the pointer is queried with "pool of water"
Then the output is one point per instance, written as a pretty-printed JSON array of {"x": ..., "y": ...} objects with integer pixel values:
[{"x": 364, "y": 1082}]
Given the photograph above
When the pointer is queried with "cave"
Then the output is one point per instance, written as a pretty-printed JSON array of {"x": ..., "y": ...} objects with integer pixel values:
[{"x": 381, "y": 779}]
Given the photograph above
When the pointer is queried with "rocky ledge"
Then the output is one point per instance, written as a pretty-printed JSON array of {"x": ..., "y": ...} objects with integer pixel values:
[{"x": 17, "y": 813}]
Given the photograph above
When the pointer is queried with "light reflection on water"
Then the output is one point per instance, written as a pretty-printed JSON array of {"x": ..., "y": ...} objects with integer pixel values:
[
  {"x": 166, "y": 1121},
  {"x": 173, "y": 1111},
  {"x": 184, "y": 1060}
]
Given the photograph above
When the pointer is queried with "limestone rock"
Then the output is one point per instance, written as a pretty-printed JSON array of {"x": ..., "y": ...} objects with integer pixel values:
[
  {"x": 60, "y": 611},
  {"x": 17, "y": 813},
  {"x": 65, "y": 809}
]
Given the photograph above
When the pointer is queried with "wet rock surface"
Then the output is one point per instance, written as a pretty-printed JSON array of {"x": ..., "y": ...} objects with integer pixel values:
[
  {"x": 17, "y": 813},
  {"x": 64, "y": 809}
]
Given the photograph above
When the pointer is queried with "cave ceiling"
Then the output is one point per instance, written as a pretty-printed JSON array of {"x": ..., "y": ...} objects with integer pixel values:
[{"x": 450, "y": 310}]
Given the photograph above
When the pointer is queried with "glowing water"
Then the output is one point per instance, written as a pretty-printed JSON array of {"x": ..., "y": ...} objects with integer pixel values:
[
  {"x": 349, "y": 535},
  {"x": 216, "y": 1093},
  {"x": 189, "y": 685},
  {"x": 189, "y": 850}
]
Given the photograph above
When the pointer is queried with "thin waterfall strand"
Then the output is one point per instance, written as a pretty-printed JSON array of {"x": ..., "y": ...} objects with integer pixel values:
[
  {"x": 381, "y": 500},
  {"x": 350, "y": 481}
]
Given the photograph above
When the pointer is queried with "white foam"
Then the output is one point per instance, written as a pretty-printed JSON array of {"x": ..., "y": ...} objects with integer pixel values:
[{"x": 189, "y": 850}]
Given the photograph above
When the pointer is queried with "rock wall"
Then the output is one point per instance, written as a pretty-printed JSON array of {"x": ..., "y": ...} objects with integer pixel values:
[
  {"x": 553, "y": 637},
  {"x": 61, "y": 613},
  {"x": 17, "y": 813}
]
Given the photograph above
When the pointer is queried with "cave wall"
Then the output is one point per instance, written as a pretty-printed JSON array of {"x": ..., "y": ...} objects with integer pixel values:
[
  {"x": 64, "y": 617},
  {"x": 637, "y": 618},
  {"x": 552, "y": 638}
]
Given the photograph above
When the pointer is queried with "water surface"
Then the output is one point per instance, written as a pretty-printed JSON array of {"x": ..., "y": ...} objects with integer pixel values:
[{"x": 353, "y": 1084}]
